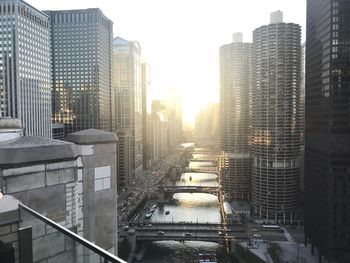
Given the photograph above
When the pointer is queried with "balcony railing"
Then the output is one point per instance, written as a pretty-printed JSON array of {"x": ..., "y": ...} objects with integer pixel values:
[{"x": 47, "y": 240}]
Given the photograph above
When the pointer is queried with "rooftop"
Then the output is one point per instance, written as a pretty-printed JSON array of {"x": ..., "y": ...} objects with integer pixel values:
[{"x": 32, "y": 149}]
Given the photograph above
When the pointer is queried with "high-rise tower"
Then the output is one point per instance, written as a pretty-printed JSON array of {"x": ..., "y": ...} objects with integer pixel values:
[
  {"x": 25, "y": 67},
  {"x": 236, "y": 81},
  {"x": 327, "y": 133},
  {"x": 81, "y": 54},
  {"x": 276, "y": 120},
  {"x": 127, "y": 59},
  {"x": 145, "y": 82}
]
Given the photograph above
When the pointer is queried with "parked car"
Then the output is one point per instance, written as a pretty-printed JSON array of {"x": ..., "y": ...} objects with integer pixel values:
[
  {"x": 187, "y": 234},
  {"x": 160, "y": 233}
]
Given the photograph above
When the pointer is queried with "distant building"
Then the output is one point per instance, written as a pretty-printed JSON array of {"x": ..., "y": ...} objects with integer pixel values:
[
  {"x": 327, "y": 129},
  {"x": 127, "y": 60},
  {"x": 276, "y": 126},
  {"x": 207, "y": 126},
  {"x": 81, "y": 67},
  {"x": 25, "y": 67},
  {"x": 158, "y": 132},
  {"x": 236, "y": 80},
  {"x": 124, "y": 158},
  {"x": 145, "y": 82}
]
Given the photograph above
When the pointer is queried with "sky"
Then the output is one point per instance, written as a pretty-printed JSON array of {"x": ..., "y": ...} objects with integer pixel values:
[{"x": 180, "y": 39}]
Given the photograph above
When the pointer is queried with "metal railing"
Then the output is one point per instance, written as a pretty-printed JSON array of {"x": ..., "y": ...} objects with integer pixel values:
[{"x": 105, "y": 255}]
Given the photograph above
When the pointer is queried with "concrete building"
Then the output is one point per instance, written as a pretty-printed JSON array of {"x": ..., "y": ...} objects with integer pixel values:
[
  {"x": 327, "y": 130},
  {"x": 25, "y": 67},
  {"x": 126, "y": 56},
  {"x": 81, "y": 68},
  {"x": 276, "y": 123},
  {"x": 72, "y": 184},
  {"x": 236, "y": 80},
  {"x": 98, "y": 154},
  {"x": 145, "y": 83}
]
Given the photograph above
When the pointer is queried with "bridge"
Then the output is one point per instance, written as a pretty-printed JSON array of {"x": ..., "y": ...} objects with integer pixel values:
[
  {"x": 185, "y": 231},
  {"x": 190, "y": 189},
  {"x": 207, "y": 169}
]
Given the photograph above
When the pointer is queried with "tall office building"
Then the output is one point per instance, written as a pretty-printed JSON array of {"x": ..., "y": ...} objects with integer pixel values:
[
  {"x": 25, "y": 66},
  {"x": 126, "y": 56},
  {"x": 207, "y": 128},
  {"x": 276, "y": 120},
  {"x": 235, "y": 86},
  {"x": 81, "y": 54},
  {"x": 327, "y": 134},
  {"x": 145, "y": 82}
]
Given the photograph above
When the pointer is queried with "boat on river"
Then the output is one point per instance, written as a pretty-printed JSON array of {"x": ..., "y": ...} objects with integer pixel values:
[{"x": 149, "y": 214}]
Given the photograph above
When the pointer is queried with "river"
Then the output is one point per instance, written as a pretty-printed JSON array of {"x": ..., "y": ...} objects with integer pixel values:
[{"x": 187, "y": 207}]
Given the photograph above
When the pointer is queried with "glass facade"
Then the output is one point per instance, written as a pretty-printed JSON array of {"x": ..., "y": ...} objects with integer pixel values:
[
  {"x": 81, "y": 53},
  {"x": 24, "y": 67},
  {"x": 127, "y": 72},
  {"x": 50, "y": 242},
  {"x": 327, "y": 128}
]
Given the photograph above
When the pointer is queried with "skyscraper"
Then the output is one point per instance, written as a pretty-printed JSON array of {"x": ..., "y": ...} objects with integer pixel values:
[
  {"x": 235, "y": 86},
  {"x": 276, "y": 120},
  {"x": 145, "y": 82},
  {"x": 126, "y": 56},
  {"x": 327, "y": 133},
  {"x": 25, "y": 67},
  {"x": 81, "y": 55}
]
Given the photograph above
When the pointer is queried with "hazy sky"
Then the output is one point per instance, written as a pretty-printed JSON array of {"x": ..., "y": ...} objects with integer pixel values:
[{"x": 180, "y": 39}]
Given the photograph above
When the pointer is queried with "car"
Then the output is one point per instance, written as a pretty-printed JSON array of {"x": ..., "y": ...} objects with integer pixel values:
[
  {"x": 187, "y": 234},
  {"x": 221, "y": 233},
  {"x": 149, "y": 225},
  {"x": 160, "y": 233},
  {"x": 125, "y": 227},
  {"x": 256, "y": 235}
]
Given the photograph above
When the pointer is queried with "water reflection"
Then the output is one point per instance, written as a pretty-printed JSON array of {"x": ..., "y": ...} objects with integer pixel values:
[{"x": 196, "y": 207}]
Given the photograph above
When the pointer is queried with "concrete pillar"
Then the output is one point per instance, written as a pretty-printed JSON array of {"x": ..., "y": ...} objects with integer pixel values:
[{"x": 98, "y": 152}]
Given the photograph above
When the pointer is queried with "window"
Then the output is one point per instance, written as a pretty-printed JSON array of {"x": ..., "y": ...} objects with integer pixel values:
[{"x": 102, "y": 178}]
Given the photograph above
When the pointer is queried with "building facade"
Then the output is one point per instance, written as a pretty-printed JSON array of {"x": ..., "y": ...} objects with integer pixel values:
[
  {"x": 327, "y": 130},
  {"x": 276, "y": 124},
  {"x": 207, "y": 126},
  {"x": 235, "y": 87},
  {"x": 126, "y": 56},
  {"x": 81, "y": 82},
  {"x": 145, "y": 83},
  {"x": 25, "y": 67}
]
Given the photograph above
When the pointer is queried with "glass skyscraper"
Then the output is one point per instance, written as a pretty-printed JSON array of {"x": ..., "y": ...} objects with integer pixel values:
[
  {"x": 25, "y": 66},
  {"x": 81, "y": 53},
  {"x": 327, "y": 128},
  {"x": 126, "y": 56}
]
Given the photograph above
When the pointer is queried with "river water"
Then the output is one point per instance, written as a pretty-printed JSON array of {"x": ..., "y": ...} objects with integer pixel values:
[{"x": 194, "y": 207}]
